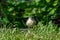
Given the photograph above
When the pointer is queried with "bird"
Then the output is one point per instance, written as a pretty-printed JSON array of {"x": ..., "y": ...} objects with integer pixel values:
[{"x": 31, "y": 21}]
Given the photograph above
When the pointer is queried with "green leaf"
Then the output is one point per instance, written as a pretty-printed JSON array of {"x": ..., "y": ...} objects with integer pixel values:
[
  {"x": 37, "y": 0},
  {"x": 5, "y": 20},
  {"x": 52, "y": 11},
  {"x": 10, "y": 9},
  {"x": 23, "y": 1},
  {"x": 27, "y": 15},
  {"x": 55, "y": 3},
  {"x": 49, "y": 9},
  {"x": 48, "y": 1}
]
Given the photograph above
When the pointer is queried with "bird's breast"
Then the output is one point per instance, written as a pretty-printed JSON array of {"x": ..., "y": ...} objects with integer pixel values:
[{"x": 30, "y": 22}]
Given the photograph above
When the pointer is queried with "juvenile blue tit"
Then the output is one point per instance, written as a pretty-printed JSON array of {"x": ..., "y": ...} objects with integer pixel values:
[{"x": 30, "y": 21}]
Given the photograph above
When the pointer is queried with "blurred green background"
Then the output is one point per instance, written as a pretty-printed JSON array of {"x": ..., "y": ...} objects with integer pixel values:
[{"x": 15, "y": 12}]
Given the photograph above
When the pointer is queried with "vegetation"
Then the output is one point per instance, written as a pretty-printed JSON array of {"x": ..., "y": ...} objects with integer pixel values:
[
  {"x": 14, "y": 13},
  {"x": 38, "y": 32}
]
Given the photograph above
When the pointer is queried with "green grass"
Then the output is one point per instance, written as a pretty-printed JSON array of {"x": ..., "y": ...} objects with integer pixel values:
[{"x": 38, "y": 32}]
